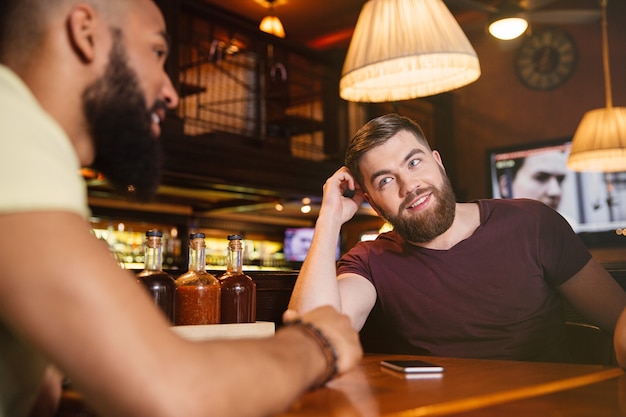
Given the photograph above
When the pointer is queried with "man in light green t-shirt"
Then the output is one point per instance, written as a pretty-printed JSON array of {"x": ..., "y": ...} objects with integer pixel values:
[{"x": 82, "y": 83}]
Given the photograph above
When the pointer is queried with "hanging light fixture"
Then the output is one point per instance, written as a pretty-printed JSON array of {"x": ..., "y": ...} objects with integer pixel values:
[
  {"x": 271, "y": 23},
  {"x": 599, "y": 143},
  {"x": 403, "y": 49},
  {"x": 509, "y": 22},
  {"x": 508, "y": 28}
]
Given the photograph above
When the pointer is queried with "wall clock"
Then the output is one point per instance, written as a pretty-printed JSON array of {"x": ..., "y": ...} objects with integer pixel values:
[{"x": 546, "y": 59}]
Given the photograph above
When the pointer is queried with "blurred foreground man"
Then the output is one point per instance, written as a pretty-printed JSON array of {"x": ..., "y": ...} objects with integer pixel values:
[{"x": 82, "y": 84}]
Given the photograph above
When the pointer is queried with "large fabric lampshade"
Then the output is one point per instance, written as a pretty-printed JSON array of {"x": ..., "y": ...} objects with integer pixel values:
[{"x": 403, "y": 49}]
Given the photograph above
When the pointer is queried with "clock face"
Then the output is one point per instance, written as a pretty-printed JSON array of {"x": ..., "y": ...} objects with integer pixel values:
[{"x": 546, "y": 59}]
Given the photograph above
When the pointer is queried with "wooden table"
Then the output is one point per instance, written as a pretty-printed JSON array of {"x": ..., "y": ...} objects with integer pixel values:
[
  {"x": 470, "y": 387},
  {"x": 467, "y": 388}
]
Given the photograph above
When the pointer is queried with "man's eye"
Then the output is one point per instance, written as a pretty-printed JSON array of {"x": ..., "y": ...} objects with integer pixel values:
[
  {"x": 384, "y": 182},
  {"x": 414, "y": 162}
]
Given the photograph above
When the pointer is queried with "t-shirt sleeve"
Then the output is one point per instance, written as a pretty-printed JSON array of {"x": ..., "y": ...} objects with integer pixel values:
[
  {"x": 355, "y": 261},
  {"x": 39, "y": 169},
  {"x": 561, "y": 251}
]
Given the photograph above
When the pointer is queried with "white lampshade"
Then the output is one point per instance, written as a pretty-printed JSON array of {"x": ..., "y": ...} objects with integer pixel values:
[
  {"x": 508, "y": 28},
  {"x": 599, "y": 143},
  {"x": 403, "y": 49},
  {"x": 272, "y": 25}
]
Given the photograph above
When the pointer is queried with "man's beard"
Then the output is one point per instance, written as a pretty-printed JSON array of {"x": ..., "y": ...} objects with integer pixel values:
[
  {"x": 426, "y": 226},
  {"x": 119, "y": 120}
]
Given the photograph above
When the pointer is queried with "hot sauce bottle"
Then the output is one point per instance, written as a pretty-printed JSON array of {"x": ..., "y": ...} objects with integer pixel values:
[
  {"x": 157, "y": 282},
  {"x": 238, "y": 290},
  {"x": 198, "y": 292}
]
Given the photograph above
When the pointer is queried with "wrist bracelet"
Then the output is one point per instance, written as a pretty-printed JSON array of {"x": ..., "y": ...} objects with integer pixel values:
[{"x": 325, "y": 346}]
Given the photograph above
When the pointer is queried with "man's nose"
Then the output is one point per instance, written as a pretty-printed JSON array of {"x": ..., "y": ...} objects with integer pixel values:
[
  {"x": 170, "y": 96},
  {"x": 554, "y": 187},
  {"x": 407, "y": 185}
]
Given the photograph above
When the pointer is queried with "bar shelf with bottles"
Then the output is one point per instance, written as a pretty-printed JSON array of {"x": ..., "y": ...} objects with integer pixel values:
[{"x": 125, "y": 241}]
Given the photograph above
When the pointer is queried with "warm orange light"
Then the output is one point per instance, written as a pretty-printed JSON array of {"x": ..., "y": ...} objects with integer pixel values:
[
  {"x": 90, "y": 174},
  {"x": 272, "y": 25}
]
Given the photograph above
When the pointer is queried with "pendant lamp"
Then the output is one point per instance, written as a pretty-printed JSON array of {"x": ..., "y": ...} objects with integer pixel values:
[
  {"x": 599, "y": 143},
  {"x": 404, "y": 49},
  {"x": 271, "y": 23}
]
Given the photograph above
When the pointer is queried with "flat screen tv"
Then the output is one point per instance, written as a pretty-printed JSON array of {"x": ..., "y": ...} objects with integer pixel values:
[
  {"x": 591, "y": 201},
  {"x": 297, "y": 244}
]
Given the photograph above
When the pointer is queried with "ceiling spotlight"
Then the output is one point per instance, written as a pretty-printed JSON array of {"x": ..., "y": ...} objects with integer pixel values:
[
  {"x": 305, "y": 209},
  {"x": 509, "y": 23},
  {"x": 279, "y": 207},
  {"x": 508, "y": 28}
]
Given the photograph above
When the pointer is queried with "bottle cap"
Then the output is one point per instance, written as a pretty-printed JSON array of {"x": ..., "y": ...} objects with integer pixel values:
[
  {"x": 234, "y": 237},
  {"x": 197, "y": 235},
  {"x": 154, "y": 232}
]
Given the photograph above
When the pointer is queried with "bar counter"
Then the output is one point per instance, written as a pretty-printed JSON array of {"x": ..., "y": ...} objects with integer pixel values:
[{"x": 467, "y": 388}]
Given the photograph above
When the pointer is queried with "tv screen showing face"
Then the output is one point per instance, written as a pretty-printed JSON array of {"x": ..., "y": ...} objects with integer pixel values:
[
  {"x": 590, "y": 201},
  {"x": 297, "y": 243}
]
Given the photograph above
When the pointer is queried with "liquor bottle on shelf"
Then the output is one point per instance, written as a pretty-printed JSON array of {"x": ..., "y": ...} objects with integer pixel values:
[
  {"x": 238, "y": 300},
  {"x": 159, "y": 284},
  {"x": 198, "y": 292}
]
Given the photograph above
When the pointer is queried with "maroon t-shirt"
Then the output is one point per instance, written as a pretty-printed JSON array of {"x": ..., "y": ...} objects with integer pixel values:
[{"x": 492, "y": 295}]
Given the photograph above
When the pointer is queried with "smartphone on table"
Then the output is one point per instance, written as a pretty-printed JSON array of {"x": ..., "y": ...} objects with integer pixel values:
[{"x": 411, "y": 366}]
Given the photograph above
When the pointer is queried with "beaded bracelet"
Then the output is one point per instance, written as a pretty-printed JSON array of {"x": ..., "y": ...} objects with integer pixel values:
[{"x": 325, "y": 346}]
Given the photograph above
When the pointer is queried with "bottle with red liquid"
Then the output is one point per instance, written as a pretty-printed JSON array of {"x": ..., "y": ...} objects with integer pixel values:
[
  {"x": 238, "y": 300},
  {"x": 159, "y": 284},
  {"x": 198, "y": 292}
]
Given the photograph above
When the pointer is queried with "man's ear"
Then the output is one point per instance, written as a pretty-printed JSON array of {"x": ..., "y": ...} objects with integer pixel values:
[
  {"x": 371, "y": 203},
  {"x": 437, "y": 157},
  {"x": 81, "y": 30}
]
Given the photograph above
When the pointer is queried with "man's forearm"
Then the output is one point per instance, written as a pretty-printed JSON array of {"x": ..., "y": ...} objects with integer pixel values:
[{"x": 317, "y": 281}]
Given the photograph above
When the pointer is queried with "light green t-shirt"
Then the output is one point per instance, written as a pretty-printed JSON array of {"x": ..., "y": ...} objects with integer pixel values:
[{"x": 39, "y": 170}]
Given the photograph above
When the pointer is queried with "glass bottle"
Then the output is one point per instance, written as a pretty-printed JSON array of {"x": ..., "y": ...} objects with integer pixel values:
[
  {"x": 238, "y": 290},
  {"x": 198, "y": 292},
  {"x": 160, "y": 285}
]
